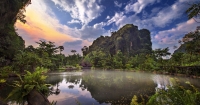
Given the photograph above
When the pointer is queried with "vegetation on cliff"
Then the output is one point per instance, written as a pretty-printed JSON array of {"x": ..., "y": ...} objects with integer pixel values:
[
  {"x": 129, "y": 40},
  {"x": 10, "y": 42}
]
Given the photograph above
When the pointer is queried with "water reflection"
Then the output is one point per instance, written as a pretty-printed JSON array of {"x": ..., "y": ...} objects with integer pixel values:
[
  {"x": 106, "y": 87},
  {"x": 103, "y": 87},
  {"x": 163, "y": 82}
]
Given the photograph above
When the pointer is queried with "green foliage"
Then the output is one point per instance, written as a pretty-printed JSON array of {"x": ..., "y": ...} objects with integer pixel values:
[
  {"x": 27, "y": 60},
  {"x": 128, "y": 39},
  {"x": 5, "y": 71},
  {"x": 128, "y": 66},
  {"x": 2, "y": 81},
  {"x": 191, "y": 46},
  {"x": 25, "y": 85},
  {"x": 176, "y": 95},
  {"x": 150, "y": 63},
  {"x": 119, "y": 60},
  {"x": 194, "y": 10},
  {"x": 10, "y": 42},
  {"x": 48, "y": 47},
  {"x": 85, "y": 50},
  {"x": 73, "y": 59},
  {"x": 78, "y": 67},
  {"x": 178, "y": 58},
  {"x": 134, "y": 101}
]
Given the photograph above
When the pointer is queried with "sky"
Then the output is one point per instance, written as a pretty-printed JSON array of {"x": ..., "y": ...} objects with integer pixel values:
[{"x": 76, "y": 23}]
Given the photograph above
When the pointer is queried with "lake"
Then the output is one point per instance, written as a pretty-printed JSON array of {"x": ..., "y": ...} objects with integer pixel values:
[{"x": 97, "y": 87}]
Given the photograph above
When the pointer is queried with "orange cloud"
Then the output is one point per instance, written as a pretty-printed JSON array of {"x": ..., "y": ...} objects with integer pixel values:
[
  {"x": 86, "y": 43},
  {"x": 41, "y": 26}
]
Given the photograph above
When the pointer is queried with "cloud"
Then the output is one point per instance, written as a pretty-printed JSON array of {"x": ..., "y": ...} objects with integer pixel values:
[
  {"x": 92, "y": 32},
  {"x": 83, "y": 10},
  {"x": 75, "y": 45},
  {"x": 73, "y": 21},
  {"x": 138, "y": 6},
  {"x": 43, "y": 24},
  {"x": 108, "y": 17},
  {"x": 171, "y": 36},
  {"x": 167, "y": 15},
  {"x": 117, "y": 4},
  {"x": 115, "y": 18},
  {"x": 159, "y": 17}
]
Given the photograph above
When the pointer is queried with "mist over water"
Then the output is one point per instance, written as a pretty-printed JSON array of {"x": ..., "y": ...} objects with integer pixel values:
[{"x": 106, "y": 87}]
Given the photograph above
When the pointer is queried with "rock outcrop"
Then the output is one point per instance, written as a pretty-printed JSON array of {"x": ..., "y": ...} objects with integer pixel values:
[
  {"x": 37, "y": 98},
  {"x": 129, "y": 40}
]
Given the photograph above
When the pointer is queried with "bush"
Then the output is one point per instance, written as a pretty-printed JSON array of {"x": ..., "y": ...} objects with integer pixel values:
[
  {"x": 176, "y": 95},
  {"x": 24, "y": 86}
]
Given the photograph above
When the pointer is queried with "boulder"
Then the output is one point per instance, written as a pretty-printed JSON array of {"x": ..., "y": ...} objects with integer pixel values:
[{"x": 37, "y": 98}]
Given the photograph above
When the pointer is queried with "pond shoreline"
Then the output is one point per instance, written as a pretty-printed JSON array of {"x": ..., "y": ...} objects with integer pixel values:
[{"x": 154, "y": 72}]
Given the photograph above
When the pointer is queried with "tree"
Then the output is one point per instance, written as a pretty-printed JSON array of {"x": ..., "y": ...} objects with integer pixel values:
[
  {"x": 119, "y": 60},
  {"x": 61, "y": 48},
  {"x": 85, "y": 50},
  {"x": 10, "y": 41},
  {"x": 194, "y": 11},
  {"x": 73, "y": 51},
  {"x": 192, "y": 42},
  {"x": 30, "y": 48},
  {"x": 177, "y": 58},
  {"x": 48, "y": 47},
  {"x": 27, "y": 60},
  {"x": 160, "y": 53}
]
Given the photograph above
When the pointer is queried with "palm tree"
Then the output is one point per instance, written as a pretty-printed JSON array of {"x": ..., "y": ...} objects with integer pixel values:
[{"x": 61, "y": 48}]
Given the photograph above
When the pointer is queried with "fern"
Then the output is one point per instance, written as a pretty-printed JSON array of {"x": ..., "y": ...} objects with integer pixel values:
[{"x": 24, "y": 86}]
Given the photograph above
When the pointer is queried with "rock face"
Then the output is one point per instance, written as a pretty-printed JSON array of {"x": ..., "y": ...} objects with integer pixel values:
[
  {"x": 181, "y": 49},
  {"x": 10, "y": 42},
  {"x": 129, "y": 40},
  {"x": 36, "y": 98}
]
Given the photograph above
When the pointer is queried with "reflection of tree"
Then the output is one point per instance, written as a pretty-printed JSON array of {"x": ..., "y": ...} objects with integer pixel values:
[
  {"x": 73, "y": 79},
  {"x": 109, "y": 87},
  {"x": 71, "y": 86},
  {"x": 54, "y": 80},
  {"x": 57, "y": 90}
]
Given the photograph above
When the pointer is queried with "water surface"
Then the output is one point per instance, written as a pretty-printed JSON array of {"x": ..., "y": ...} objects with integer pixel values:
[{"x": 106, "y": 87}]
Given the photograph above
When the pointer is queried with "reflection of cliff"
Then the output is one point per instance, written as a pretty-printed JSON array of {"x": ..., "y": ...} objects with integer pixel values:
[{"x": 109, "y": 88}]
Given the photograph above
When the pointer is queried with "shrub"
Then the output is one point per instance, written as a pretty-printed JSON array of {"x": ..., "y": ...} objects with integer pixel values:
[{"x": 24, "y": 86}]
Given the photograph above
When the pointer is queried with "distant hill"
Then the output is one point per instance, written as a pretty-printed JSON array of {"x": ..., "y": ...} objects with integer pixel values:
[
  {"x": 128, "y": 39},
  {"x": 180, "y": 49}
]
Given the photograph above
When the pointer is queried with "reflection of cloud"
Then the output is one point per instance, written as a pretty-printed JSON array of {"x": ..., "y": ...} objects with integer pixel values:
[
  {"x": 162, "y": 82},
  {"x": 69, "y": 95}
]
